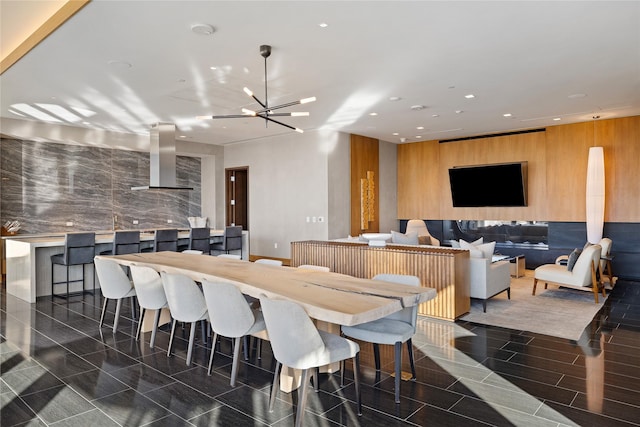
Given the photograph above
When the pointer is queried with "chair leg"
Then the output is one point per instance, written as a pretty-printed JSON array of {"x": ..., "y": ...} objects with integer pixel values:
[
  {"x": 398, "y": 363},
  {"x": 245, "y": 351},
  {"x": 117, "y": 316},
  {"x": 142, "y": 311},
  {"x": 234, "y": 364},
  {"x": 156, "y": 320},
  {"x": 275, "y": 386},
  {"x": 376, "y": 356},
  {"x": 413, "y": 366},
  {"x": 508, "y": 293},
  {"x": 192, "y": 338},
  {"x": 104, "y": 310},
  {"x": 356, "y": 380},
  {"x": 302, "y": 397},
  {"x": 342, "y": 373},
  {"x": 213, "y": 351},
  {"x": 68, "y": 283},
  {"x": 535, "y": 283},
  {"x": 316, "y": 379},
  {"x": 259, "y": 348},
  {"x": 203, "y": 328},
  {"x": 484, "y": 305},
  {"x": 173, "y": 333}
]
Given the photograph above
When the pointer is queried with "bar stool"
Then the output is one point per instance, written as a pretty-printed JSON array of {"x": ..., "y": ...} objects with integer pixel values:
[
  {"x": 124, "y": 242},
  {"x": 79, "y": 249},
  {"x": 164, "y": 240},
  {"x": 231, "y": 240}
]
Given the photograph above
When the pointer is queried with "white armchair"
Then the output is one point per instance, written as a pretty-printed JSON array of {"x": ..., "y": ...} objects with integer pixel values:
[
  {"x": 419, "y": 226},
  {"x": 582, "y": 276},
  {"x": 487, "y": 279}
]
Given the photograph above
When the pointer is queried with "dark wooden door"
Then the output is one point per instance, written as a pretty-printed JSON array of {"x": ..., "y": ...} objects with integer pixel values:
[{"x": 237, "y": 197}]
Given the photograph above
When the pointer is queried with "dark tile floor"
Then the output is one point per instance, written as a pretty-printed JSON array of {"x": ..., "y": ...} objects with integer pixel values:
[{"x": 59, "y": 369}]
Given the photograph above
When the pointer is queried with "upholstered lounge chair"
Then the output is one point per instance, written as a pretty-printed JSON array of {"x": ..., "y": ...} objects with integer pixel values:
[
  {"x": 419, "y": 226},
  {"x": 487, "y": 279},
  {"x": 583, "y": 276}
]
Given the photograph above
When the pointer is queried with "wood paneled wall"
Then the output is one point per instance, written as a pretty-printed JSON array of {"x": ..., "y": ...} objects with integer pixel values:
[
  {"x": 557, "y": 162},
  {"x": 364, "y": 157}
]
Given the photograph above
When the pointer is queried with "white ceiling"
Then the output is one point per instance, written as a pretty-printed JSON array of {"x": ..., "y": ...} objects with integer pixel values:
[{"x": 535, "y": 60}]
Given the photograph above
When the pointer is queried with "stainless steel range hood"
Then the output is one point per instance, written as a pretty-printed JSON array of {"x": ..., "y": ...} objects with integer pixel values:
[{"x": 162, "y": 159}]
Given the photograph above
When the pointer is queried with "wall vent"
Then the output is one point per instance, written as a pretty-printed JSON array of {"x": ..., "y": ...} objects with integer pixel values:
[{"x": 493, "y": 135}]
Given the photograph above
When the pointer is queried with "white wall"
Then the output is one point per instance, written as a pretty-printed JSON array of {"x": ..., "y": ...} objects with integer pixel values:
[{"x": 288, "y": 182}]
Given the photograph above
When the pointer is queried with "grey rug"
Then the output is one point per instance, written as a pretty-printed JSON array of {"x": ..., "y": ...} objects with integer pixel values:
[{"x": 559, "y": 312}]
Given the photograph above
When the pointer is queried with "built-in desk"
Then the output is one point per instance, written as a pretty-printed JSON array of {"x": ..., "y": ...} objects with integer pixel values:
[{"x": 28, "y": 259}]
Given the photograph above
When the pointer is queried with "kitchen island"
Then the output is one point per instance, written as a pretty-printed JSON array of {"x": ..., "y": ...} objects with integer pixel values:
[{"x": 28, "y": 259}]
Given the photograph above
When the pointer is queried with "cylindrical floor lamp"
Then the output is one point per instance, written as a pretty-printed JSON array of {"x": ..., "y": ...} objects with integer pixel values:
[{"x": 595, "y": 194}]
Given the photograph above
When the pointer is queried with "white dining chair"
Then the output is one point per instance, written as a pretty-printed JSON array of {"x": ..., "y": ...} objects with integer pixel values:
[
  {"x": 151, "y": 296},
  {"x": 314, "y": 267},
  {"x": 114, "y": 284},
  {"x": 298, "y": 344},
  {"x": 186, "y": 303},
  {"x": 229, "y": 256},
  {"x": 268, "y": 261},
  {"x": 394, "y": 329},
  {"x": 230, "y": 316}
]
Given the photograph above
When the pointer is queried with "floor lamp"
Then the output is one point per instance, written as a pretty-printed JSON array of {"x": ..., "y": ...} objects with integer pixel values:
[{"x": 595, "y": 194}]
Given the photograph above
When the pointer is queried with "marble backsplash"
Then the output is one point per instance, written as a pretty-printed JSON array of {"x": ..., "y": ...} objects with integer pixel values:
[{"x": 47, "y": 185}]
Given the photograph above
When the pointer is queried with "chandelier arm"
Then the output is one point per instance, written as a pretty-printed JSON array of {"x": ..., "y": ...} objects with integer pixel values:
[
  {"x": 277, "y": 122},
  {"x": 230, "y": 116}
]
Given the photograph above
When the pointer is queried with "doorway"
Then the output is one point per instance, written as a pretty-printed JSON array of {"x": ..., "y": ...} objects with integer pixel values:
[{"x": 237, "y": 197}]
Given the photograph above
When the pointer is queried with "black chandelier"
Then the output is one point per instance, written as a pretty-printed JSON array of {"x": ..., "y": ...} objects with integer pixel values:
[{"x": 267, "y": 112}]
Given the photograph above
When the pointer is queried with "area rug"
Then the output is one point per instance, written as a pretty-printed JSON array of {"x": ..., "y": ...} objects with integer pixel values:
[{"x": 558, "y": 312}]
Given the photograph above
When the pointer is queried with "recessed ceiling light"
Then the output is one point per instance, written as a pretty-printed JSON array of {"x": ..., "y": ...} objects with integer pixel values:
[
  {"x": 507, "y": 115},
  {"x": 202, "y": 29},
  {"x": 459, "y": 111},
  {"x": 323, "y": 25},
  {"x": 395, "y": 134},
  {"x": 182, "y": 136},
  {"x": 373, "y": 114},
  {"x": 470, "y": 96},
  {"x": 417, "y": 107},
  {"x": 213, "y": 68},
  {"x": 394, "y": 98},
  {"x": 418, "y": 136},
  {"x": 577, "y": 95},
  {"x": 435, "y": 115},
  {"x": 557, "y": 119},
  {"x": 420, "y": 127}
]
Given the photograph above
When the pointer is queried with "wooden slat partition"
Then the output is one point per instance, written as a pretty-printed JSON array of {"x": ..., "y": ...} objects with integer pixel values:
[{"x": 443, "y": 269}]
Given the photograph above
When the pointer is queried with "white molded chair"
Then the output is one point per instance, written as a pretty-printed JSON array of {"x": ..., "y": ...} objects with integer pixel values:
[
  {"x": 150, "y": 294},
  {"x": 268, "y": 261},
  {"x": 192, "y": 252},
  {"x": 298, "y": 344},
  {"x": 114, "y": 284},
  {"x": 583, "y": 276},
  {"x": 419, "y": 226},
  {"x": 186, "y": 303},
  {"x": 314, "y": 267},
  {"x": 394, "y": 329},
  {"x": 231, "y": 317}
]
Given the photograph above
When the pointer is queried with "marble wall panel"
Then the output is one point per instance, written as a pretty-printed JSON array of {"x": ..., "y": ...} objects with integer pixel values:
[{"x": 46, "y": 185}]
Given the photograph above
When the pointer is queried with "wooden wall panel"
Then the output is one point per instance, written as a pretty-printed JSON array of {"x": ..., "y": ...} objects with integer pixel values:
[
  {"x": 364, "y": 157},
  {"x": 418, "y": 180},
  {"x": 567, "y": 155},
  {"x": 529, "y": 147},
  {"x": 557, "y": 163},
  {"x": 621, "y": 141}
]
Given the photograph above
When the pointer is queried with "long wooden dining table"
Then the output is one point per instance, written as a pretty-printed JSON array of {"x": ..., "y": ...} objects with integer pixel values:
[{"x": 332, "y": 299}]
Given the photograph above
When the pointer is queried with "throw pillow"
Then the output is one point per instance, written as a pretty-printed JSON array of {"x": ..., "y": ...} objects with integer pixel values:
[
  {"x": 424, "y": 240},
  {"x": 573, "y": 257},
  {"x": 480, "y": 251},
  {"x": 474, "y": 243},
  {"x": 404, "y": 239}
]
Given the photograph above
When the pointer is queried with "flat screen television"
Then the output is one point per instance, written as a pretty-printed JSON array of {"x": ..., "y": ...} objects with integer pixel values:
[{"x": 503, "y": 184}]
